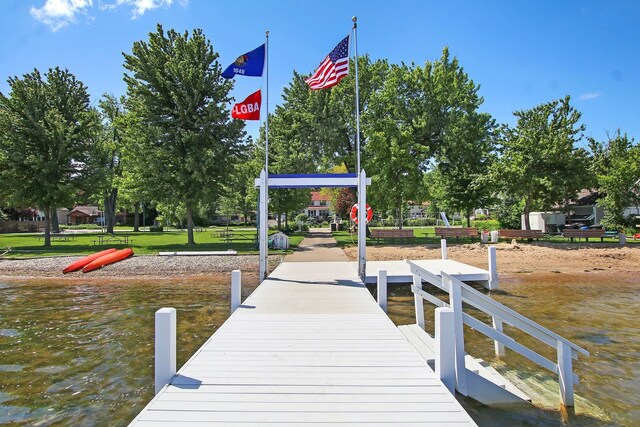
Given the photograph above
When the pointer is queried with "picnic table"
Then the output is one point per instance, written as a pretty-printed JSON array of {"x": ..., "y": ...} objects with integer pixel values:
[
  {"x": 60, "y": 237},
  {"x": 227, "y": 235},
  {"x": 107, "y": 239}
]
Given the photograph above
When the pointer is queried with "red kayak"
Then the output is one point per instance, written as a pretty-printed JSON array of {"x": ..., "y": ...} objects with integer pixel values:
[
  {"x": 75, "y": 266},
  {"x": 108, "y": 259}
]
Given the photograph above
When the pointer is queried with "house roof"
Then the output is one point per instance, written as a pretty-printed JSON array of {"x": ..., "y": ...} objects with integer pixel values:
[
  {"x": 317, "y": 196},
  {"x": 85, "y": 210},
  {"x": 587, "y": 197}
]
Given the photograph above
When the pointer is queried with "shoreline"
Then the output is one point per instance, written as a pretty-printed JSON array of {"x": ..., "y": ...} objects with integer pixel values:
[{"x": 548, "y": 261}]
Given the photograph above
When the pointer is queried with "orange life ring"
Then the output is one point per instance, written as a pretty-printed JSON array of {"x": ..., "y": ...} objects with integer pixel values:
[{"x": 354, "y": 213}]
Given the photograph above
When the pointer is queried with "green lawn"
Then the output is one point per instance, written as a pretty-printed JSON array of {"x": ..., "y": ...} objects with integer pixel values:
[
  {"x": 426, "y": 235},
  {"x": 143, "y": 243}
]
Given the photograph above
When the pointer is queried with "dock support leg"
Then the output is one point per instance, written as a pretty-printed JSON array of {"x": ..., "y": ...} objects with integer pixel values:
[
  {"x": 445, "y": 348},
  {"x": 497, "y": 325},
  {"x": 493, "y": 269},
  {"x": 443, "y": 248},
  {"x": 418, "y": 302},
  {"x": 455, "y": 302},
  {"x": 236, "y": 290},
  {"x": 382, "y": 289},
  {"x": 165, "y": 351},
  {"x": 565, "y": 374}
]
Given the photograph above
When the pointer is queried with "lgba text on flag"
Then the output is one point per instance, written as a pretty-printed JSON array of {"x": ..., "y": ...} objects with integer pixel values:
[{"x": 249, "y": 109}]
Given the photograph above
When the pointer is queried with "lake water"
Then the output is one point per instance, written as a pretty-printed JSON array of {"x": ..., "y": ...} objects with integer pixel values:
[{"x": 83, "y": 354}]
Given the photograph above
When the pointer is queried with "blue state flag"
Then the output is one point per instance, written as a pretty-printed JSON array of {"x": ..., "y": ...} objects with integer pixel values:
[{"x": 249, "y": 64}]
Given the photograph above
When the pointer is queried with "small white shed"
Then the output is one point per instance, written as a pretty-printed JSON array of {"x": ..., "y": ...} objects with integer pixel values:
[
  {"x": 280, "y": 240},
  {"x": 547, "y": 222}
]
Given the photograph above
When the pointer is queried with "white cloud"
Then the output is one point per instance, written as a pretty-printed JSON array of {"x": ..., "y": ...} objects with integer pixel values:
[
  {"x": 590, "y": 95},
  {"x": 59, "y": 13},
  {"x": 140, "y": 7}
]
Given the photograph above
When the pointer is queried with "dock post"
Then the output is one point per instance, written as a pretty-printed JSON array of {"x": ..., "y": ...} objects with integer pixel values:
[
  {"x": 565, "y": 373},
  {"x": 498, "y": 346},
  {"x": 382, "y": 289},
  {"x": 165, "y": 351},
  {"x": 493, "y": 269},
  {"x": 455, "y": 302},
  {"x": 236, "y": 290},
  {"x": 443, "y": 248},
  {"x": 445, "y": 347},
  {"x": 418, "y": 303}
]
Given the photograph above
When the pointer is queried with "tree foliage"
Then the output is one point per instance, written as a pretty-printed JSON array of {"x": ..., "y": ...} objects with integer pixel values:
[
  {"x": 616, "y": 165},
  {"x": 47, "y": 134},
  {"x": 181, "y": 100},
  {"x": 540, "y": 163},
  {"x": 109, "y": 152}
]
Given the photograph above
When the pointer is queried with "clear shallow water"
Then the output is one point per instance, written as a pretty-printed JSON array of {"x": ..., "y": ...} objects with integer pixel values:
[
  {"x": 83, "y": 354},
  {"x": 597, "y": 312}
]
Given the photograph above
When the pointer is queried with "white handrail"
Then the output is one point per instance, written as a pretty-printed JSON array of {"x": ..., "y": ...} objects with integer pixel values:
[
  {"x": 460, "y": 292},
  {"x": 481, "y": 301}
]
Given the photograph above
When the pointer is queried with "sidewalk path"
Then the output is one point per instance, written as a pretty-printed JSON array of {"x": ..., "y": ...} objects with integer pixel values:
[{"x": 318, "y": 246}]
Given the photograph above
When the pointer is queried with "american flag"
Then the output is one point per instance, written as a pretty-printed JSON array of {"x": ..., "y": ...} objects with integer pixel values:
[{"x": 334, "y": 67}]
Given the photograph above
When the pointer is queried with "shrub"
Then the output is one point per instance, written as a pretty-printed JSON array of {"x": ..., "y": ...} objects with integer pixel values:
[
  {"x": 301, "y": 218},
  {"x": 487, "y": 224},
  {"x": 420, "y": 222},
  {"x": 81, "y": 227},
  {"x": 324, "y": 224},
  {"x": 156, "y": 228}
]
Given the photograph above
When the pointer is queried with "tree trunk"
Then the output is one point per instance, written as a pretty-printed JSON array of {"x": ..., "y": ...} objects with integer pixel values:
[
  {"x": 279, "y": 221},
  {"x": 399, "y": 216},
  {"x": 286, "y": 221},
  {"x": 110, "y": 209},
  {"x": 190, "y": 240},
  {"x": 468, "y": 218},
  {"x": 527, "y": 209},
  {"x": 136, "y": 217},
  {"x": 54, "y": 221},
  {"x": 47, "y": 226}
]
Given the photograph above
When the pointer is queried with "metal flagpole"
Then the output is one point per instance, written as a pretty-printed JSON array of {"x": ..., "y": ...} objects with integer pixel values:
[
  {"x": 266, "y": 131},
  {"x": 264, "y": 202},
  {"x": 362, "y": 201},
  {"x": 355, "y": 51}
]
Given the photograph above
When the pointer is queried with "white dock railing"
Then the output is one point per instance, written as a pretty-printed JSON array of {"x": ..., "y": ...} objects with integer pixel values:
[{"x": 459, "y": 292}]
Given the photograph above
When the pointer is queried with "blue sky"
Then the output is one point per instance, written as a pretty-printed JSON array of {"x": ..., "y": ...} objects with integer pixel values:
[{"x": 521, "y": 53}]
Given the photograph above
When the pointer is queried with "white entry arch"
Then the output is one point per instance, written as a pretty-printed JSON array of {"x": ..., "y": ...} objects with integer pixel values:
[{"x": 349, "y": 180}]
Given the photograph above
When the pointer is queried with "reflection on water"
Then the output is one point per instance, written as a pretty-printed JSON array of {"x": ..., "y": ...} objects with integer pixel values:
[
  {"x": 83, "y": 354},
  {"x": 597, "y": 312}
]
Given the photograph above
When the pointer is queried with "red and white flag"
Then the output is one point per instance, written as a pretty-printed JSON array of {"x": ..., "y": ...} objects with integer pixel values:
[
  {"x": 334, "y": 67},
  {"x": 249, "y": 109}
]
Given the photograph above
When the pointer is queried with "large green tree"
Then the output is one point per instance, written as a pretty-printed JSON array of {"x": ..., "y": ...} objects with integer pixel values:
[
  {"x": 540, "y": 162},
  {"x": 393, "y": 158},
  {"x": 616, "y": 165},
  {"x": 288, "y": 153},
  {"x": 427, "y": 117},
  {"x": 178, "y": 93},
  {"x": 47, "y": 134},
  {"x": 110, "y": 152}
]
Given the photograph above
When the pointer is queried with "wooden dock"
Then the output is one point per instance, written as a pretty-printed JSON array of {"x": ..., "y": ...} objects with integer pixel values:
[{"x": 310, "y": 346}]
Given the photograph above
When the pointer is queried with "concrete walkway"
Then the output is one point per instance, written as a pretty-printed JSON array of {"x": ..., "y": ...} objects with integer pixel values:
[{"x": 318, "y": 246}]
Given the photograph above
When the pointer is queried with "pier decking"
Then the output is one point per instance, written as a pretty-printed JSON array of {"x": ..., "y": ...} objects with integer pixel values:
[{"x": 309, "y": 346}]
